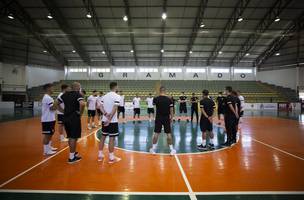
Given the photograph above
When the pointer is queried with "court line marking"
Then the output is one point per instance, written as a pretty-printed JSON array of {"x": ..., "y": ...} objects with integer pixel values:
[
  {"x": 282, "y": 151},
  {"x": 191, "y": 194},
  {"x": 152, "y": 193},
  {"x": 43, "y": 161}
]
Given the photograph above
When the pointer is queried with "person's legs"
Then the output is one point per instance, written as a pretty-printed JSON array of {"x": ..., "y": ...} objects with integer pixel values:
[
  {"x": 154, "y": 142},
  {"x": 100, "y": 148},
  {"x": 196, "y": 114},
  {"x": 89, "y": 120},
  {"x": 192, "y": 113},
  {"x": 72, "y": 145}
]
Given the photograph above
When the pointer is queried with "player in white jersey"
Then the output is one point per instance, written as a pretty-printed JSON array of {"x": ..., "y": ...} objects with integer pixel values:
[
  {"x": 99, "y": 113},
  {"x": 121, "y": 107},
  {"x": 48, "y": 119},
  {"x": 242, "y": 100},
  {"x": 91, "y": 103},
  {"x": 150, "y": 109},
  {"x": 136, "y": 108},
  {"x": 60, "y": 115},
  {"x": 109, "y": 106}
]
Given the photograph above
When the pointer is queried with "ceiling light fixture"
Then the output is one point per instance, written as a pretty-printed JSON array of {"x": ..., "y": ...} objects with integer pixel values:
[
  {"x": 89, "y": 15},
  {"x": 49, "y": 16},
  {"x": 220, "y": 52},
  {"x": 73, "y": 51},
  {"x": 190, "y": 52},
  {"x": 247, "y": 54},
  {"x": 277, "y": 19},
  {"x": 10, "y": 16},
  {"x": 103, "y": 52},
  {"x": 164, "y": 16},
  {"x": 202, "y": 25},
  {"x": 240, "y": 19},
  {"x": 45, "y": 51},
  {"x": 277, "y": 54},
  {"x": 162, "y": 50},
  {"x": 125, "y": 18},
  {"x": 131, "y": 50}
]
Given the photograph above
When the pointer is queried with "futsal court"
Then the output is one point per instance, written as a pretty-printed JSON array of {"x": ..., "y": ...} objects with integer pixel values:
[{"x": 192, "y": 99}]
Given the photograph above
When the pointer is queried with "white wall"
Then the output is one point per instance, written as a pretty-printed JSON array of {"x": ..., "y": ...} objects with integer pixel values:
[
  {"x": 12, "y": 74},
  {"x": 37, "y": 75},
  {"x": 283, "y": 77}
]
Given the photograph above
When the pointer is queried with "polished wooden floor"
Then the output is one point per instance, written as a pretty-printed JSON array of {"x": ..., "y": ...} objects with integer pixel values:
[{"x": 268, "y": 157}]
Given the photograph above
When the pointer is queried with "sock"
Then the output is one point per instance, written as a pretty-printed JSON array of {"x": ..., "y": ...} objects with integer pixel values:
[
  {"x": 111, "y": 155},
  {"x": 211, "y": 141},
  {"x": 45, "y": 148},
  {"x": 72, "y": 155},
  {"x": 50, "y": 144},
  {"x": 204, "y": 142},
  {"x": 171, "y": 147},
  {"x": 100, "y": 154},
  {"x": 62, "y": 137},
  {"x": 154, "y": 146}
]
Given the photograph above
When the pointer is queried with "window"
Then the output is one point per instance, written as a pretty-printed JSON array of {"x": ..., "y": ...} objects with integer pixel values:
[
  {"x": 78, "y": 70},
  {"x": 179, "y": 70},
  {"x": 220, "y": 70},
  {"x": 196, "y": 70},
  {"x": 148, "y": 70},
  {"x": 101, "y": 70},
  {"x": 125, "y": 70},
  {"x": 242, "y": 71}
]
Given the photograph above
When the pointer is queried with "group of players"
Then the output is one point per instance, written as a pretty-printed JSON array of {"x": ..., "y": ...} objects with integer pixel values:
[{"x": 70, "y": 105}]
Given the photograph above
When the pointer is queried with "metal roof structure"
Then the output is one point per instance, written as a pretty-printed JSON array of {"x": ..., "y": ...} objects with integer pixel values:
[{"x": 228, "y": 33}]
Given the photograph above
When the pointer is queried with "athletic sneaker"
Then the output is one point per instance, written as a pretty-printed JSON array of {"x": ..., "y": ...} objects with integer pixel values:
[
  {"x": 226, "y": 144},
  {"x": 211, "y": 146},
  {"x": 53, "y": 148},
  {"x": 89, "y": 128},
  {"x": 152, "y": 151},
  {"x": 172, "y": 152},
  {"x": 115, "y": 160},
  {"x": 64, "y": 139},
  {"x": 74, "y": 160},
  {"x": 202, "y": 147},
  {"x": 50, "y": 152},
  {"x": 100, "y": 158},
  {"x": 93, "y": 126}
]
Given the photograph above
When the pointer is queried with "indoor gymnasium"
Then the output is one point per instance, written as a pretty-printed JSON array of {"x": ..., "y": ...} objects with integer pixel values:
[{"x": 151, "y": 99}]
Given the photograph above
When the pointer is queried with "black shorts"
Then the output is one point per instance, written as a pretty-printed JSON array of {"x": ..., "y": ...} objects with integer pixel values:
[
  {"x": 48, "y": 128},
  {"x": 72, "y": 125},
  {"x": 121, "y": 109},
  {"x": 160, "y": 122},
  {"x": 110, "y": 130},
  {"x": 136, "y": 111},
  {"x": 150, "y": 110},
  {"x": 205, "y": 124},
  {"x": 182, "y": 108},
  {"x": 242, "y": 113},
  {"x": 91, "y": 113},
  {"x": 220, "y": 111},
  {"x": 60, "y": 118},
  {"x": 99, "y": 112}
]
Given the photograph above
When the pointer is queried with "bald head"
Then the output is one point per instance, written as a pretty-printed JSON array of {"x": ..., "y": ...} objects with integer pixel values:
[{"x": 76, "y": 86}]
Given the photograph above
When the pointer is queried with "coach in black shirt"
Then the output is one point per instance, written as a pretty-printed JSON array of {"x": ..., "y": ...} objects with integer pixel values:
[
  {"x": 164, "y": 116},
  {"x": 207, "y": 108},
  {"x": 194, "y": 107},
  {"x": 183, "y": 106},
  {"x": 220, "y": 106},
  {"x": 231, "y": 116},
  {"x": 73, "y": 109}
]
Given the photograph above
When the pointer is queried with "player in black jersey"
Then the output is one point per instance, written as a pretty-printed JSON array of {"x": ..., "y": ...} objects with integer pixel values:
[
  {"x": 220, "y": 100},
  {"x": 194, "y": 107},
  {"x": 164, "y": 116}
]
